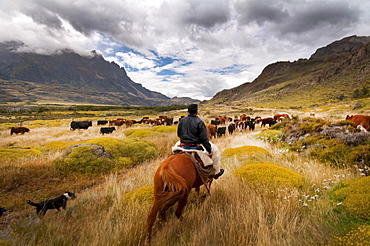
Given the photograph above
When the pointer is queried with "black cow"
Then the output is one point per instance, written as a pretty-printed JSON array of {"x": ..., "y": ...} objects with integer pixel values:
[
  {"x": 272, "y": 122},
  {"x": 102, "y": 122},
  {"x": 19, "y": 129},
  {"x": 80, "y": 124},
  {"x": 231, "y": 128},
  {"x": 105, "y": 130},
  {"x": 169, "y": 121},
  {"x": 251, "y": 124},
  {"x": 221, "y": 131},
  {"x": 215, "y": 122}
]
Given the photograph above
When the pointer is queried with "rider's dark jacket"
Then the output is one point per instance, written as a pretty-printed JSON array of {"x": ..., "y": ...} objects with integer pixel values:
[{"x": 191, "y": 129}]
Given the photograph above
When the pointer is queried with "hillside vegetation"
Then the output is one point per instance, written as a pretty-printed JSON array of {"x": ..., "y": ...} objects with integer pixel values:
[
  {"x": 339, "y": 72},
  {"x": 270, "y": 194}
]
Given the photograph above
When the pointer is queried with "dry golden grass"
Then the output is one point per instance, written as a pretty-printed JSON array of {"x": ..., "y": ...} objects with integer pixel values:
[{"x": 235, "y": 213}]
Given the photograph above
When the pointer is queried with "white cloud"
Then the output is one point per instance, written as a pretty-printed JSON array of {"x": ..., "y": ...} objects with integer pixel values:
[
  {"x": 215, "y": 44},
  {"x": 135, "y": 61}
]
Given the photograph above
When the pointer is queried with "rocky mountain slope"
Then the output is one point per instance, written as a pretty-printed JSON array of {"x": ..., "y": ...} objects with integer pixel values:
[
  {"x": 66, "y": 76},
  {"x": 332, "y": 73}
]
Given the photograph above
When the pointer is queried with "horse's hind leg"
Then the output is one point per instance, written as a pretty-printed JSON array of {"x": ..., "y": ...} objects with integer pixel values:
[
  {"x": 151, "y": 219},
  {"x": 181, "y": 204},
  {"x": 163, "y": 214},
  {"x": 164, "y": 209}
]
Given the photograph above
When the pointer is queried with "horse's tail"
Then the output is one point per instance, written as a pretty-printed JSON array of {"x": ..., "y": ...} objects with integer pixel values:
[{"x": 174, "y": 188}]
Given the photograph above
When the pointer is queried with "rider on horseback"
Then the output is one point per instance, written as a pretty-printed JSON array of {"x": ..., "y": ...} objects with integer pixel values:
[{"x": 193, "y": 135}]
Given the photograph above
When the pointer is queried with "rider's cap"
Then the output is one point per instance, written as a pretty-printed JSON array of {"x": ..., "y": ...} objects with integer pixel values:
[{"x": 193, "y": 108}]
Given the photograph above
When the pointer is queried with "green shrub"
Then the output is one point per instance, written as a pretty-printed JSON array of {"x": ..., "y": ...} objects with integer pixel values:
[
  {"x": 82, "y": 160},
  {"x": 269, "y": 174},
  {"x": 17, "y": 153},
  {"x": 128, "y": 132},
  {"x": 354, "y": 196},
  {"x": 139, "y": 133},
  {"x": 59, "y": 145},
  {"x": 244, "y": 151},
  {"x": 118, "y": 154},
  {"x": 359, "y": 154},
  {"x": 126, "y": 162},
  {"x": 143, "y": 133},
  {"x": 142, "y": 194},
  {"x": 310, "y": 125},
  {"x": 138, "y": 150},
  {"x": 330, "y": 151},
  {"x": 164, "y": 128},
  {"x": 360, "y": 236},
  {"x": 346, "y": 123},
  {"x": 7, "y": 126},
  {"x": 272, "y": 136}
]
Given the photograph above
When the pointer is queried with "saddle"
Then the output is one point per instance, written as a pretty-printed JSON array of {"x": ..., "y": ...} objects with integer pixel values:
[{"x": 203, "y": 171}]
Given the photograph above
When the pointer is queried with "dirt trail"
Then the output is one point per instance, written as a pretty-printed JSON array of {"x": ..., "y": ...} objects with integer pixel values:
[{"x": 239, "y": 139}]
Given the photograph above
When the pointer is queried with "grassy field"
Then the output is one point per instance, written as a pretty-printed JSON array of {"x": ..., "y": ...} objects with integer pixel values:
[{"x": 111, "y": 208}]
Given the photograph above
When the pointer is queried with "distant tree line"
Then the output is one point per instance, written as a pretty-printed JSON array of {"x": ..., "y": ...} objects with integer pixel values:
[{"x": 107, "y": 108}]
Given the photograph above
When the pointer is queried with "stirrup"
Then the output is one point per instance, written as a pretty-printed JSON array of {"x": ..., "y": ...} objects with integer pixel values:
[{"x": 219, "y": 174}]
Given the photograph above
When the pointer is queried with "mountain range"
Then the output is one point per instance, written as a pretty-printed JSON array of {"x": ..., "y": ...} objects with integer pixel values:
[
  {"x": 66, "y": 76},
  {"x": 338, "y": 71}
]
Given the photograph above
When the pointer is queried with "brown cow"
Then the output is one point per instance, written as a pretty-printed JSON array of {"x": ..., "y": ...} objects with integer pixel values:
[
  {"x": 268, "y": 121},
  {"x": 360, "y": 120},
  {"x": 211, "y": 131},
  {"x": 257, "y": 119},
  {"x": 118, "y": 122},
  {"x": 245, "y": 118},
  {"x": 19, "y": 129},
  {"x": 145, "y": 121},
  {"x": 129, "y": 123},
  {"x": 168, "y": 121},
  {"x": 222, "y": 120},
  {"x": 240, "y": 125},
  {"x": 229, "y": 119},
  {"x": 280, "y": 117},
  {"x": 159, "y": 121}
]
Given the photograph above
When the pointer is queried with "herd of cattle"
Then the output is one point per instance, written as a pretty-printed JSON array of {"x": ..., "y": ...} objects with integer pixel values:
[
  {"x": 219, "y": 125},
  {"x": 216, "y": 128},
  {"x": 85, "y": 124},
  {"x": 161, "y": 120}
]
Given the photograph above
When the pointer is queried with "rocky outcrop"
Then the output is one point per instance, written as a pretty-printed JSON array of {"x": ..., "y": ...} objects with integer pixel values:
[{"x": 346, "y": 45}]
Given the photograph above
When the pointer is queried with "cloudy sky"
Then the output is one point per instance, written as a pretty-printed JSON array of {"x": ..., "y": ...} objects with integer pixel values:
[{"x": 186, "y": 48}]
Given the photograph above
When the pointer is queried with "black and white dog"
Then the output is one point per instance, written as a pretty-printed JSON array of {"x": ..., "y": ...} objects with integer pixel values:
[{"x": 56, "y": 203}]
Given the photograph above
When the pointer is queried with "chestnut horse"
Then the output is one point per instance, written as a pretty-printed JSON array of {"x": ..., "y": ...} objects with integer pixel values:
[{"x": 173, "y": 181}]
